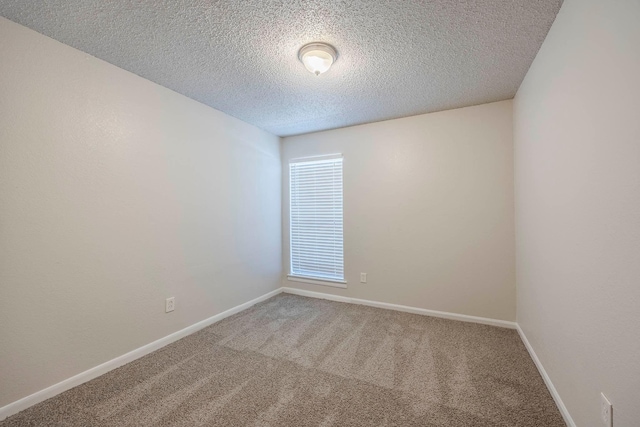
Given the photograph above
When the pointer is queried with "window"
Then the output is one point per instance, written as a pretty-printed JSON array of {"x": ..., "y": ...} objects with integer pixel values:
[{"x": 315, "y": 197}]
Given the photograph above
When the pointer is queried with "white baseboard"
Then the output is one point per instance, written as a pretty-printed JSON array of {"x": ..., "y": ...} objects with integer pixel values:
[
  {"x": 69, "y": 383},
  {"x": 42, "y": 395},
  {"x": 453, "y": 316},
  {"x": 407, "y": 309},
  {"x": 554, "y": 393}
]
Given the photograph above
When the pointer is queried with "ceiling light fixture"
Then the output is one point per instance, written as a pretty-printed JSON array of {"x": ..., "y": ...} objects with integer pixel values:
[{"x": 317, "y": 57}]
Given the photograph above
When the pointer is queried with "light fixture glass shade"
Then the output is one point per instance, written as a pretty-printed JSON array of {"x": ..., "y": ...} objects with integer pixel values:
[{"x": 317, "y": 57}]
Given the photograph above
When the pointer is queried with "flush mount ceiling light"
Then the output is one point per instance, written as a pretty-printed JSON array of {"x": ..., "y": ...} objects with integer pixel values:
[{"x": 317, "y": 57}]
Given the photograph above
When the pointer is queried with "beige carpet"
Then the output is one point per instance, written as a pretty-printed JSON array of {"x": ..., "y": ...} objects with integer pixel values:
[{"x": 295, "y": 361}]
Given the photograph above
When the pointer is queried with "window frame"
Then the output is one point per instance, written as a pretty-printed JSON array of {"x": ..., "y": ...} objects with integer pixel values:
[{"x": 291, "y": 276}]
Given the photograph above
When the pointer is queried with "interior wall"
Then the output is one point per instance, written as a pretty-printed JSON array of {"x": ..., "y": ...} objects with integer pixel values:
[
  {"x": 428, "y": 209},
  {"x": 577, "y": 163},
  {"x": 117, "y": 193}
]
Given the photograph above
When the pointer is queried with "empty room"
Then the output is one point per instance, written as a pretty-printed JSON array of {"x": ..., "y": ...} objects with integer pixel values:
[{"x": 320, "y": 213}]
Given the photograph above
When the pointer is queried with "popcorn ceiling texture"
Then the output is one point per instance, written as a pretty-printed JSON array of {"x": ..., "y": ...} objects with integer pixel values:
[{"x": 396, "y": 59}]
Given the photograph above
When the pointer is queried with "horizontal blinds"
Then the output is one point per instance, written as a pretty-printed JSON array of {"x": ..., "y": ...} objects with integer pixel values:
[{"x": 316, "y": 218}]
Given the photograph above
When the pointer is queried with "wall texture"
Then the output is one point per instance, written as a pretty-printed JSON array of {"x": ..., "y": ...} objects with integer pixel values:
[
  {"x": 577, "y": 163},
  {"x": 117, "y": 193},
  {"x": 428, "y": 209}
]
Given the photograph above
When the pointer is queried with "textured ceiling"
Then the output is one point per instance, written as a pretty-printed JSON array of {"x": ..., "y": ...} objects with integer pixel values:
[{"x": 396, "y": 58}]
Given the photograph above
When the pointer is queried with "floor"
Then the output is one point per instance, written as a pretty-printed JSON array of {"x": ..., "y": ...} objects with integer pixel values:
[{"x": 297, "y": 361}]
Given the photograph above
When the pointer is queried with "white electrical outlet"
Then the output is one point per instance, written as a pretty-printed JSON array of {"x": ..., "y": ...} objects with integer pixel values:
[
  {"x": 363, "y": 277},
  {"x": 170, "y": 304},
  {"x": 606, "y": 409}
]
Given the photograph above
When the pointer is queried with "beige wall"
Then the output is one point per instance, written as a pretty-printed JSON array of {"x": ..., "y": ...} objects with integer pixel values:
[
  {"x": 577, "y": 145},
  {"x": 115, "y": 194},
  {"x": 428, "y": 209}
]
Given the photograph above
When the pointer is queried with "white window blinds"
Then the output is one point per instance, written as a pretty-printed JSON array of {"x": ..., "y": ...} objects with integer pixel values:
[{"x": 315, "y": 187}]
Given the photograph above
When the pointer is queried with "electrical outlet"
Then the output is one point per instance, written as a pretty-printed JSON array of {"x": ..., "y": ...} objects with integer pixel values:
[
  {"x": 170, "y": 304},
  {"x": 363, "y": 277},
  {"x": 606, "y": 410}
]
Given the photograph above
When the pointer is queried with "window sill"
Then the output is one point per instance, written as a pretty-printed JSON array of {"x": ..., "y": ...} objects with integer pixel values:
[{"x": 315, "y": 281}]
